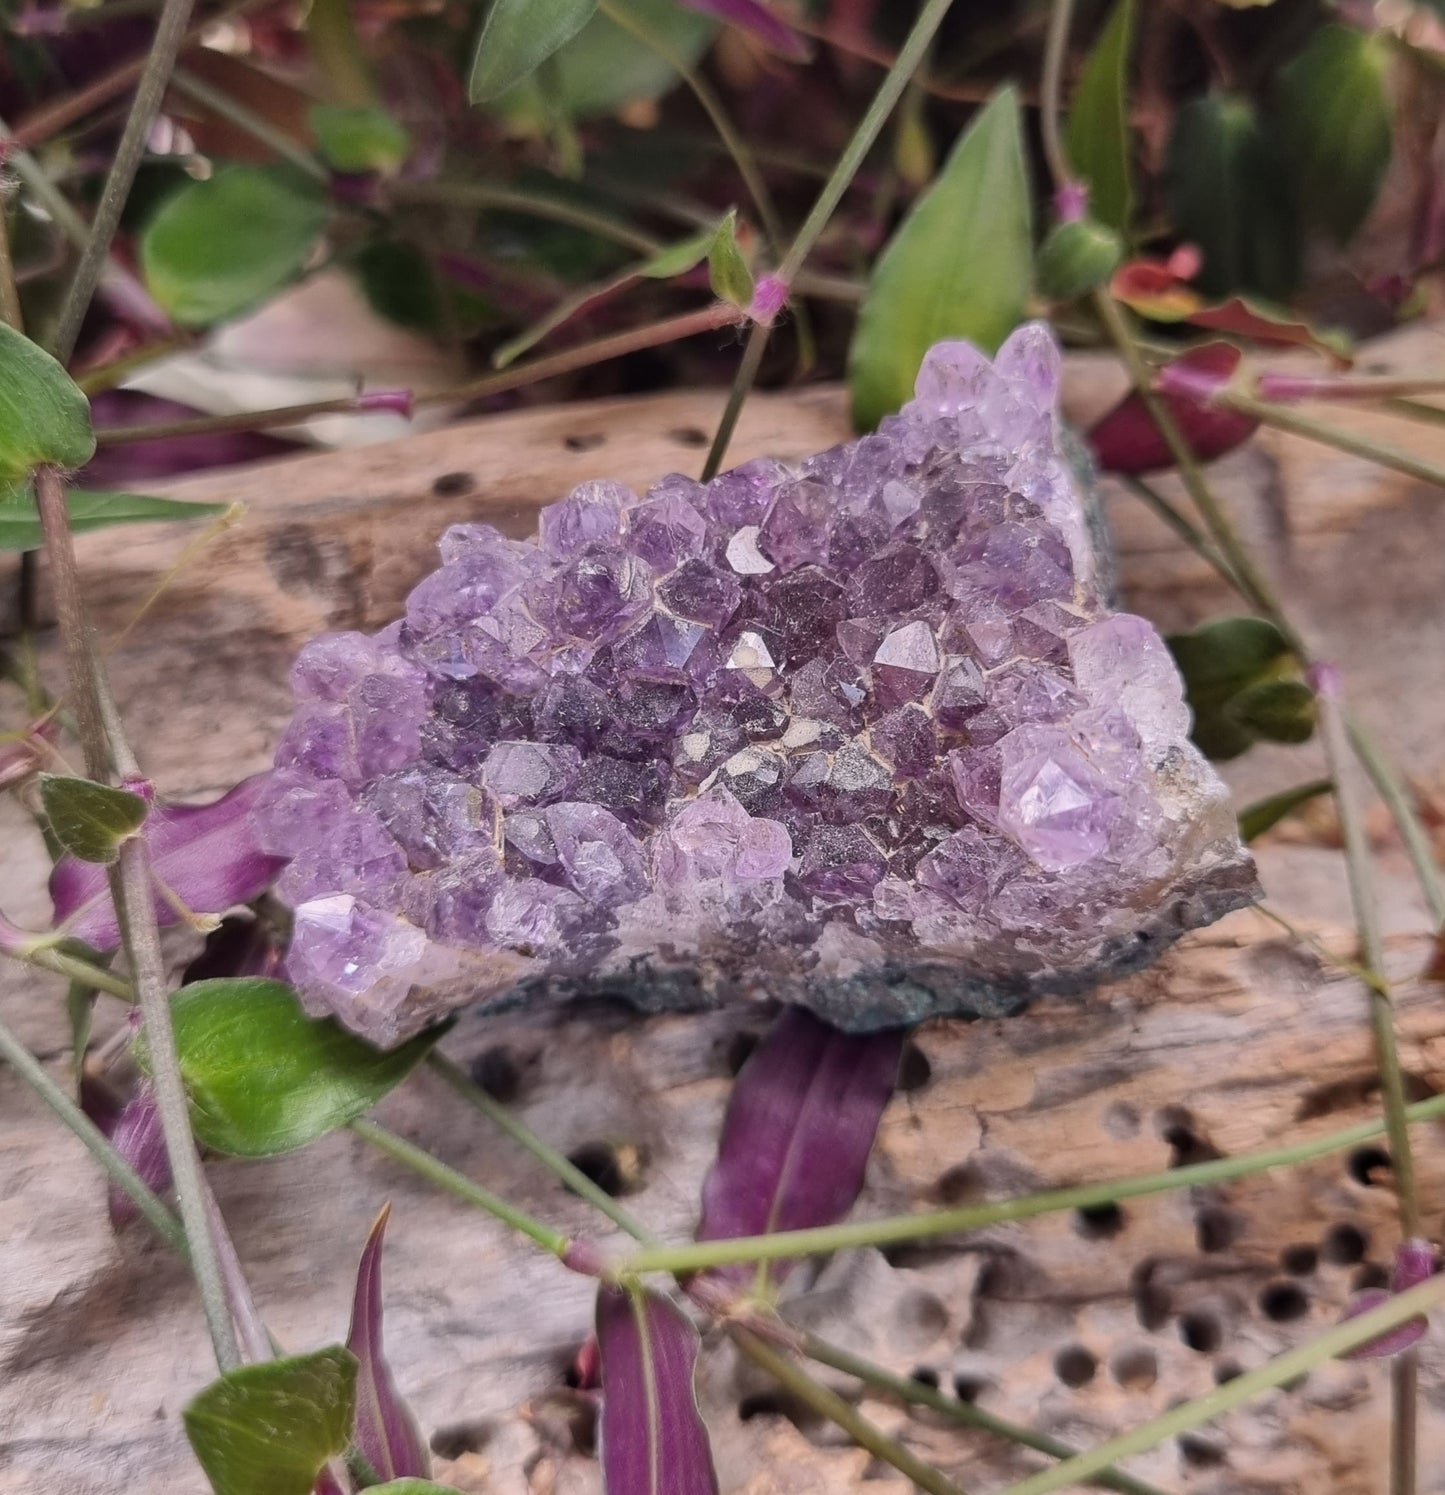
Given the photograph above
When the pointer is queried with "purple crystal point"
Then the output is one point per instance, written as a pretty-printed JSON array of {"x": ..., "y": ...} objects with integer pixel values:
[{"x": 863, "y": 735}]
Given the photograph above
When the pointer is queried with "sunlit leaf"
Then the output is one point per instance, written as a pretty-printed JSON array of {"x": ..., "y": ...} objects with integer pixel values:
[
  {"x": 90, "y": 820},
  {"x": 358, "y": 138},
  {"x": 1230, "y": 194},
  {"x": 517, "y": 36},
  {"x": 264, "y": 1078},
  {"x": 219, "y": 247},
  {"x": 651, "y": 1438},
  {"x": 1099, "y": 122},
  {"x": 1335, "y": 116},
  {"x": 20, "y": 524},
  {"x": 1265, "y": 814},
  {"x": 959, "y": 266},
  {"x": 267, "y": 1429},
  {"x": 799, "y": 1128},
  {"x": 385, "y": 1432},
  {"x": 204, "y": 856},
  {"x": 43, "y": 415}
]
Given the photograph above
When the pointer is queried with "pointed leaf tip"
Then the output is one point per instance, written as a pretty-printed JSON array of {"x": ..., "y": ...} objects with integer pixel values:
[
  {"x": 652, "y": 1440},
  {"x": 386, "y": 1432},
  {"x": 517, "y": 36},
  {"x": 798, "y": 1131}
]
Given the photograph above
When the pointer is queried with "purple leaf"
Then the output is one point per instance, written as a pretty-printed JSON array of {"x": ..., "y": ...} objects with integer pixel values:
[
  {"x": 652, "y": 1438},
  {"x": 1415, "y": 1262},
  {"x": 757, "y": 19},
  {"x": 137, "y": 1137},
  {"x": 205, "y": 856},
  {"x": 798, "y": 1131},
  {"x": 385, "y": 1432}
]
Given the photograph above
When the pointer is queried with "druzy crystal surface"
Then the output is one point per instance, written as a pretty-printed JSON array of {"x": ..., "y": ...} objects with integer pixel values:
[{"x": 861, "y": 734}]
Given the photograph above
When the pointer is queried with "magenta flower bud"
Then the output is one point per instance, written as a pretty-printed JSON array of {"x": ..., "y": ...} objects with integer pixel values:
[
  {"x": 397, "y": 400},
  {"x": 1415, "y": 1262},
  {"x": 1324, "y": 679},
  {"x": 770, "y": 296},
  {"x": 1071, "y": 201},
  {"x": 584, "y": 1257}
]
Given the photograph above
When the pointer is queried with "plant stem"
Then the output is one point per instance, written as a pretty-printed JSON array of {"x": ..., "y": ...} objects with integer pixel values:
[
  {"x": 1339, "y": 1340},
  {"x": 909, "y": 1390},
  {"x": 559, "y": 1166},
  {"x": 930, "y": 18},
  {"x": 255, "y": 125},
  {"x": 1056, "y": 45},
  {"x": 461, "y": 1186},
  {"x": 150, "y": 90},
  {"x": 832, "y": 1406},
  {"x": 9, "y": 295},
  {"x": 120, "y": 1173},
  {"x": 49, "y": 958},
  {"x": 695, "y": 1256},
  {"x": 239, "y": 420},
  {"x": 1184, "y": 527}
]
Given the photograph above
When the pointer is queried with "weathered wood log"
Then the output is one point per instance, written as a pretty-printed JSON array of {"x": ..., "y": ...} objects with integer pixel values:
[{"x": 1078, "y": 1325}]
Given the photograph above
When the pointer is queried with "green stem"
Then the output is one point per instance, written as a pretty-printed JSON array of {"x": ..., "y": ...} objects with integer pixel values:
[
  {"x": 560, "y": 1167},
  {"x": 794, "y": 1379},
  {"x": 908, "y": 1390},
  {"x": 695, "y": 1256},
  {"x": 120, "y": 1173},
  {"x": 238, "y": 420},
  {"x": 461, "y": 1186},
  {"x": 255, "y": 125},
  {"x": 1056, "y": 44},
  {"x": 1185, "y": 528},
  {"x": 930, "y": 18},
  {"x": 1340, "y": 1340},
  {"x": 49, "y": 958},
  {"x": 150, "y": 90}
]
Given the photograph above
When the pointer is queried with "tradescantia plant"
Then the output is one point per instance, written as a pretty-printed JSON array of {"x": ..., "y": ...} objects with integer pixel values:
[{"x": 866, "y": 736}]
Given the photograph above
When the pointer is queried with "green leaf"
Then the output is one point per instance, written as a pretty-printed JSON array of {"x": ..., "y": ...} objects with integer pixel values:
[
  {"x": 268, "y": 1429},
  {"x": 20, "y": 525},
  {"x": 90, "y": 820},
  {"x": 43, "y": 415},
  {"x": 678, "y": 259},
  {"x": 727, "y": 270},
  {"x": 1098, "y": 141},
  {"x": 1263, "y": 814},
  {"x": 1230, "y": 194},
  {"x": 1334, "y": 111},
  {"x": 959, "y": 265},
  {"x": 219, "y": 247},
  {"x": 358, "y": 138},
  {"x": 264, "y": 1078},
  {"x": 1219, "y": 658},
  {"x": 1277, "y": 710},
  {"x": 517, "y": 37}
]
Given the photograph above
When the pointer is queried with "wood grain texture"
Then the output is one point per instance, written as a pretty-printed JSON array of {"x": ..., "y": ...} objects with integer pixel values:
[{"x": 1237, "y": 1040}]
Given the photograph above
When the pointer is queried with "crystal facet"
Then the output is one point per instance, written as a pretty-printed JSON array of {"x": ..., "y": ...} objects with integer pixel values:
[{"x": 863, "y": 735}]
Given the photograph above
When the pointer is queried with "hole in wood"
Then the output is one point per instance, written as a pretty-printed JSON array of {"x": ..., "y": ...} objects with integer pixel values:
[
  {"x": 1200, "y": 1453},
  {"x": 689, "y": 436},
  {"x": 1136, "y": 1367},
  {"x": 453, "y": 484},
  {"x": 458, "y": 1438},
  {"x": 1227, "y": 1370},
  {"x": 1217, "y": 1229},
  {"x": 922, "y": 1316},
  {"x": 588, "y": 441},
  {"x": 1372, "y": 1274},
  {"x": 1201, "y": 1332},
  {"x": 925, "y": 1375},
  {"x": 960, "y": 1185},
  {"x": 1177, "y": 1128},
  {"x": 914, "y": 1070},
  {"x": 1099, "y": 1222},
  {"x": 498, "y": 1073},
  {"x": 615, "y": 1170},
  {"x": 969, "y": 1388},
  {"x": 1344, "y": 1244},
  {"x": 1301, "y": 1260},
  {"x": 1075, "y": 1366},
  {"x": 1367, "y": 1164},
  {"x": 778, "y": 1404},
  {"x": 1151, "y": 1301},
  {"x": 1283, "y": 1302}
]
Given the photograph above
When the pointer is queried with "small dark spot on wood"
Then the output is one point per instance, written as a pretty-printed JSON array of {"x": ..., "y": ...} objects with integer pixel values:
[
  {"x": 1099, "y": 1222},
  {"x": 1217, "y": 1229},
  {"x": 1135, "y": 1368},
  {"x": 1283, "y": 1302},
  {"x": 1371, "y": 1275},
  {"x": 1121, "y": 1120},
  {"x": 777, "y": 1404},
  {"x": 959, "y": 1185},
  {"x": 1201, "y": 1453},
  {"x": 1227, "y": 1370},
  {"x": 1177, "y": 1128},
  {"x": 588, "y": 441},
  {"x": 1367, "y": 1163},
  {"x": 1151, "y": 1301},
  {"x": 914, "y": 1070},
  {"x": 1300, "y": 1260},
  {"x": 458, "y": 1438},
  {"x": 969, "y": 1388},
  {"x": 689, "y": 436},
  {"x": 607, "y": 1166},
  {"x": 1075, "y": 1366},
  {"x": 453, "y": 484},
  {"x": 1201, "y": 1332},
  {"x": 1344, "y": 1244},
  {"x": 925, "y": 1375},
  {"x": 497, "y": 1072}
]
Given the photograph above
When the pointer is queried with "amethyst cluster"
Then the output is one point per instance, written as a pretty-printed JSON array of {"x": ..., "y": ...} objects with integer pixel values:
[{"x": 861, "y": 734}]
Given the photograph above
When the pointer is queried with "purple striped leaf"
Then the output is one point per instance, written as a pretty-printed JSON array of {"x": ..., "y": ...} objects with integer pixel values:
[
  {"x": 651, "y": 1435},
  {"x": 798, "y": 1131},
  {"x": 1415, "y": 1262},
  {"x": 136, "y": 1135},
  {"x": 758, "y": 20},
  {"x": 386, "y": 1433},
  {"x": 205, "y": 856}
]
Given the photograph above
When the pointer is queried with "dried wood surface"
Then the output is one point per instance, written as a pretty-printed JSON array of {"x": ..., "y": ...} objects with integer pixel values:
[{"x": 1237, "y": 1040}]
